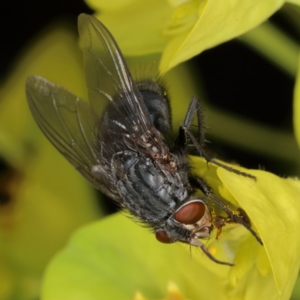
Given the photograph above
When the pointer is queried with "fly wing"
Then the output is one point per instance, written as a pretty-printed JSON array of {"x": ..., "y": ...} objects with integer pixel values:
[
  {"x": 90, "y": 133},
  {"x": 69, "y": 123},
  {"x": 108, "y": 78}
]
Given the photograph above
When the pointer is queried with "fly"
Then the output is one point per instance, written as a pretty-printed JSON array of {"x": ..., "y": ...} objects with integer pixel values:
[{"x": 119, "y": 141}]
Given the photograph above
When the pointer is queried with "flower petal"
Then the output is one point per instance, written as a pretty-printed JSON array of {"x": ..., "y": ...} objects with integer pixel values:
[
  {"x": 55, "y": 48},
  {"x": 116, "y": 258},
  {"x": 273, "y": 205},
  {"x": 181, "y": 29},
  {"x": 49, "y": 199},
  {"x": 218, "y": 22},
  {"x": 111, "y": 5},
  {"x": 138, "y": 27}
]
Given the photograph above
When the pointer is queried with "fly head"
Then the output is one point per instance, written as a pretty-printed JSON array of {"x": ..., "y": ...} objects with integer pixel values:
[{"x": 190, "y": 221}]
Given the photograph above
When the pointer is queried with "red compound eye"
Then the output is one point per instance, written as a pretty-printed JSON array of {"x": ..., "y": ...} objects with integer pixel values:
[
  {"x": 190, "y": 213},
  {"x": 162, "y": 237}
]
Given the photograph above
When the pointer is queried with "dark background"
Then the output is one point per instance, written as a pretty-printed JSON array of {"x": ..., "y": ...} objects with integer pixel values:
[{"x": 220, "y": 66}]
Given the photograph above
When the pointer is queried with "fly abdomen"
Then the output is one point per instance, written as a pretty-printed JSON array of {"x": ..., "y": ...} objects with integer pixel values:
[{"x": 144, "y": 187}]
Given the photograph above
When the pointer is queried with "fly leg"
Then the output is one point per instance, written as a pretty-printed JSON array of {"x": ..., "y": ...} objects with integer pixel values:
[
  {"x": 240, "y": 217},
  {"x": 184, "y": 134},
  {"x": 219, "y": 221},
  {"x": 198, "y": 243},
  {"x": 181, "y": 140}
]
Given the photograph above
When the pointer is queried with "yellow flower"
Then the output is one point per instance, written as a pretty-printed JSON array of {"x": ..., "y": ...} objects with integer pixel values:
[
  {"x": 172, "y": 290},
  {"x": 179, "y": 29},
  {"x": 45, "y": 199},
  {"x": 115, "y": 258}
]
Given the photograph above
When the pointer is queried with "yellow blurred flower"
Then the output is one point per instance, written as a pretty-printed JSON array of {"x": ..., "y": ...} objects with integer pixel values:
[
  {"x": 42, "y": 198},
  {"x": 179, "y": 29},
  {"x": 118, "y": 259},
  {"x": 173, "y": 293}
]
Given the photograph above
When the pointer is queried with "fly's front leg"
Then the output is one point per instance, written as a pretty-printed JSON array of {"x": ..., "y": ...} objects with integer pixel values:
[
  {"x": 181, "y": 140},
  {"x": 219, "y": 221},
  {"x": 185, "y": 133},
  {"x": 213, "y": 161},
  {"x": 239, "y": 217},
  {"x": 195, "y": 108}
]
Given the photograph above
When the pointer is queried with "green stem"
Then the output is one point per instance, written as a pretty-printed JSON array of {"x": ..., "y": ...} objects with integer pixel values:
[{"x": 273, "y": 44}]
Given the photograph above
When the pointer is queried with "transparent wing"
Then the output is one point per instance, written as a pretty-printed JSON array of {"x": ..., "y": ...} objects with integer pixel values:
[
  {"x": 89, "y": 133},
  {"x": 70, "y": 124},
  {"x": 108, "y": 78}
]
